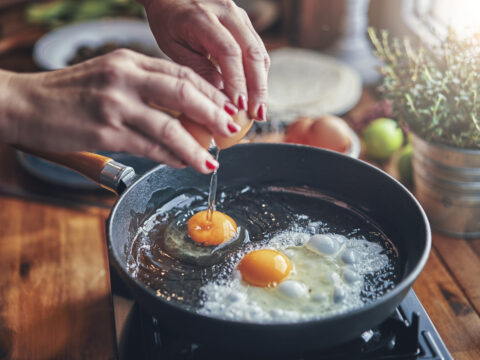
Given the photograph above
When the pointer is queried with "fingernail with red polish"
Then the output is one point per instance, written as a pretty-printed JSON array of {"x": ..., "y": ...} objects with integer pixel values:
[
  {"x": 212, "y": 164},
  {"x": 262, "y": 113},
  {"x": 230, "y": 108},
  {"x": 242, "y": 102},
  {"x": 233, "y": 127}
]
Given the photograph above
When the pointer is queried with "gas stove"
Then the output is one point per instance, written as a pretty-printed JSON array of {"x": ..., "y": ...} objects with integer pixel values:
[{"x": 407, "y": 334}]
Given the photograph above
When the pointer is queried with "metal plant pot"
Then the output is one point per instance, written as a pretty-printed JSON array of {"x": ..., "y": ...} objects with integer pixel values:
[{"x": 447, "y": 184}]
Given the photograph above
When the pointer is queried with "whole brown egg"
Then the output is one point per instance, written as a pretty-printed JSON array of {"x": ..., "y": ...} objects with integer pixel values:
[
  {"x": 297, "y": 131},
  {"x": 327, "y": 132}
]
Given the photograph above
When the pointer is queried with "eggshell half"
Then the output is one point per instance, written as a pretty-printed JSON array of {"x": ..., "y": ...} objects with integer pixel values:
[
  {"x": 204, "y": 136},
  {"x": 198, "y": 131},
  {"x": 242, "y": 119}
]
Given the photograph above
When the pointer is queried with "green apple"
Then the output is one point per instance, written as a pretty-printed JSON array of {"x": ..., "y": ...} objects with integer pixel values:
[
  {"x": 404, "y": 165},
  {"x": 382, "y": 138}
]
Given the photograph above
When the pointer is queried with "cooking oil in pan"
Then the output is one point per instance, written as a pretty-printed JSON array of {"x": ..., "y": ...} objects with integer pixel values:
[{"x": 204, "y": 278}]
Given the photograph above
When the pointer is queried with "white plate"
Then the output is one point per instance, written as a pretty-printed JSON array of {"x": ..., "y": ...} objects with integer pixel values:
[
  {"x": 305, "y": 82},
  {"x": 355, "y": 145},
  {"x": 55, "y": 48}
]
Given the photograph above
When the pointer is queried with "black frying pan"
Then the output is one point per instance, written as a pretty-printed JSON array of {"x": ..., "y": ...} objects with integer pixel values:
[{"x": 368, "y": 189}]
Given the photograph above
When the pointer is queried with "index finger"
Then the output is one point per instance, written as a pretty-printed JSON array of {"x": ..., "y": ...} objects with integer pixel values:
[
  {"x": 223, "y": 47},
  {"x": 167, "y": 67},
  {"x": 255, "y": 59}
]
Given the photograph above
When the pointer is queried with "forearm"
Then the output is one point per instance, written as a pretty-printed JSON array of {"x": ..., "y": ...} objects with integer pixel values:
[
  {"x": 11, "y": 105},
  {"x": 103, "y": 104}
]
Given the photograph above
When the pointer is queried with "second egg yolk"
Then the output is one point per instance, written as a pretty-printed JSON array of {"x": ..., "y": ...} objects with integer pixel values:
[
  {"x": 264, "y": 267},
  {"x": 214, "y": 231}
]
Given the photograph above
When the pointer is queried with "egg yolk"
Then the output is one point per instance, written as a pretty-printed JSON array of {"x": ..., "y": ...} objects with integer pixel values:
[
  {"x": 215, "y": 231},
  {"x": 264, "y": 267}
]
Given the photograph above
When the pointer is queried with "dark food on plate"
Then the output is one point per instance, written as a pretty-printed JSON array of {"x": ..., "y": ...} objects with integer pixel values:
[
  {"x": 86, "y": 52},
  {"x": 54, "y": 13}
]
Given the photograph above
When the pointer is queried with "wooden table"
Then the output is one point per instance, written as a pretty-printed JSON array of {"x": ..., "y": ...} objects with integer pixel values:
[{"x": 55, "y": 298}]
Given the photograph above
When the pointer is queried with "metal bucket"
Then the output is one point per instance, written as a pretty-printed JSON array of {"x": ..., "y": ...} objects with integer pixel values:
[{"x": 447, "y": 184}]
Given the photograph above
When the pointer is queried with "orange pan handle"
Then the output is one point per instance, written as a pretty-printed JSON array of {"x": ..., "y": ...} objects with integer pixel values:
[{"x": 103, "y": 170}]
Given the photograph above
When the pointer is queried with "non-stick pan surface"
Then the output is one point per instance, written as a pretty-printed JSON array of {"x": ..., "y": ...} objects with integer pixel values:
[{"x": 368, "y": 189}]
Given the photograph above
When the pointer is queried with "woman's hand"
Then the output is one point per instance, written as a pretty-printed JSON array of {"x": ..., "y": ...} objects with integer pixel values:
[
  {"x": 103, "y": 104},
  {"x": 198, "y": 33}
]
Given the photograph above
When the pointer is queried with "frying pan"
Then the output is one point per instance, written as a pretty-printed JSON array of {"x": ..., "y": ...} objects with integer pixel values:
[{"x": 371, "y": 191}]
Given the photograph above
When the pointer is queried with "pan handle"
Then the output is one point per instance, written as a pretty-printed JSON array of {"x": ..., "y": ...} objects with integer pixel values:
[{"x": 103, "y": 170}]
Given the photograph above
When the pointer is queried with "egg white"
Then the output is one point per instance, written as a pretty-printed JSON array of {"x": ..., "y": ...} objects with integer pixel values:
[{"x": 325, "y": 280}]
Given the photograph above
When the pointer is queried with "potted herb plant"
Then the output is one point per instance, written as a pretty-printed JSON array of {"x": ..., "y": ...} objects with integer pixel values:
[{"x": 434, "y": 91}]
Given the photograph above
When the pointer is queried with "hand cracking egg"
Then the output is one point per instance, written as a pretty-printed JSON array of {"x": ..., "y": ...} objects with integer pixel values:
[{"x": 298, "y": 277}]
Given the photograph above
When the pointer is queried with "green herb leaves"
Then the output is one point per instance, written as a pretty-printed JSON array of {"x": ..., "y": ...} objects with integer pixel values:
[{"x": 433, "y": 89}]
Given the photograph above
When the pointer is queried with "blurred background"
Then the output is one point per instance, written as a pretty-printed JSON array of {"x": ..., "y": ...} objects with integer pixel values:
[{"x": 314, "y": 24}]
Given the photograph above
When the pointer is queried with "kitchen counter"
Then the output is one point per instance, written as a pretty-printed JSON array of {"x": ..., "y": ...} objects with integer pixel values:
[{"x": 55, "y": 298}]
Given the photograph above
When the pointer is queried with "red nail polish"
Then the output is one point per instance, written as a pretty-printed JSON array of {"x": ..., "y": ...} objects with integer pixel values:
[
  {"x": 262, "y": 112},
  {"x": 233, "y": 127},
  {"x": 211, "y": 165},
  {"x": 230, "y": 108},
  {"x": 242, "y": 102}
]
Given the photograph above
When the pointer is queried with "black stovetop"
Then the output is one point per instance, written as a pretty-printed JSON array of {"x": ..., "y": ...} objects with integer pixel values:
[{"x": 407, "y": 334}]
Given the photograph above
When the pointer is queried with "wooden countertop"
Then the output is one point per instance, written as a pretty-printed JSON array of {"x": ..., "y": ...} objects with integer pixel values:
[{"x": 55, "y": 298}]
